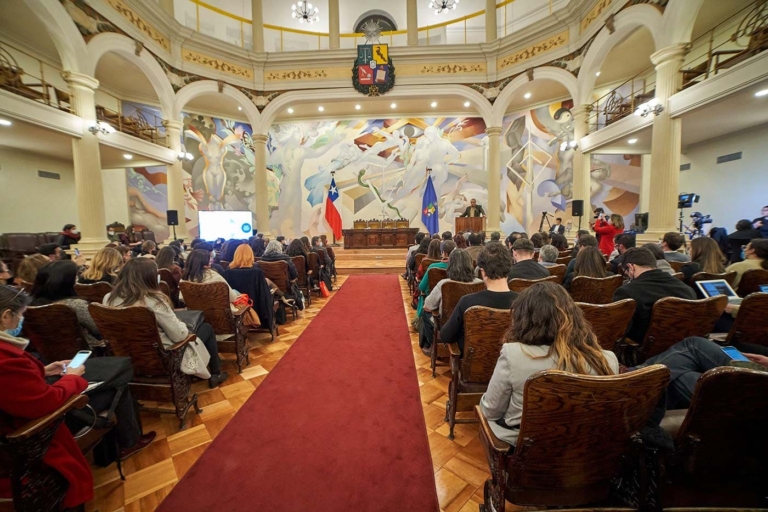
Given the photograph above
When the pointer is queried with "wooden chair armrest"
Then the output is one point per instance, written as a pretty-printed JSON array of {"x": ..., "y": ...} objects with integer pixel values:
[
  {"x": 453, "y": 348},
  {"x": 34, "y": 426},
  {"x": 241, "y": 309},
  {"x": 182, "y": 343},
  {"x": 630, "y": 343},
  {"x": 494, "y": 443}
]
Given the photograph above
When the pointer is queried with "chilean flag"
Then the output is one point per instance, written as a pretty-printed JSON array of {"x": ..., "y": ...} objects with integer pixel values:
[{"x": 332, "y": 216}]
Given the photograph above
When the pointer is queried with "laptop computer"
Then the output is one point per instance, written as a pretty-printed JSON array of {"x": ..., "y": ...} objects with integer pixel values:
[{"x": 719, "y": 287}]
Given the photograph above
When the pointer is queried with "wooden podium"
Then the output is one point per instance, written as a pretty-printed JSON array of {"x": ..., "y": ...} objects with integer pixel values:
[{"x": 474, "y": 224}]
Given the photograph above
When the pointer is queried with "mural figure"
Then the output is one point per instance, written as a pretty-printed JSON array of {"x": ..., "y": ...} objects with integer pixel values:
[{"x": 214, "y": 176}]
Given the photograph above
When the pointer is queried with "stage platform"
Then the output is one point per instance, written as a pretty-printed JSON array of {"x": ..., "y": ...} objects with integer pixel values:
[{"x": 370, "y": 261}]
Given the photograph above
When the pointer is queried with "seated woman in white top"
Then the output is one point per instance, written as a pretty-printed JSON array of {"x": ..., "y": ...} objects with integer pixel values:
[
  {"x": 548, "y": 332},
  {"x": 137, "y": 285}
]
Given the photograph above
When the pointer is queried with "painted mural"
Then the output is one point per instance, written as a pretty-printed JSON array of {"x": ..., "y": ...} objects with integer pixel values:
[{"x": 380, "y": 169}]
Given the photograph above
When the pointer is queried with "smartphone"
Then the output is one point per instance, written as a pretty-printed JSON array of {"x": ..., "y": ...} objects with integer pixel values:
[
  {"x": 77, "y": 252},
  {"x": 79, "y": 359},
  {"x": 734, "y": 353}
]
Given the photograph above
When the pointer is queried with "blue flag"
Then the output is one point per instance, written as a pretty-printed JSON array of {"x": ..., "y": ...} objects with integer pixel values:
[{"x": 429, "y": 208}]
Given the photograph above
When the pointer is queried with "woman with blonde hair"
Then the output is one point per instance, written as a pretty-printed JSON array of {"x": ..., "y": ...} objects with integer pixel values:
[
  {"x": 104, "y": 267},
  {"x": 246, "y": 278},
  {"x": 548, "y": 332},
  {"x": 706, "y": 256},
  {"x": 28, "y": 269}
]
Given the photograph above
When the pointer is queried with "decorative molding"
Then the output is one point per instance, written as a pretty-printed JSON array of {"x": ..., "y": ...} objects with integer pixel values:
[
  {"x": 297, "y": 75},
  {"x": 134, "y": 19},
  {"x": 448, "y": 69},
  {"x": 216, "y": 64},
  {"x": 594, "y": 13},
  {"x": 532, "y": 51}
]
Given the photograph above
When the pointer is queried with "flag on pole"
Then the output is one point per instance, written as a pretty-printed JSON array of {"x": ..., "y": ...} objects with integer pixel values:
[
  {"x": 332, "y": 216},
  {"x": 429, "y": 208}
]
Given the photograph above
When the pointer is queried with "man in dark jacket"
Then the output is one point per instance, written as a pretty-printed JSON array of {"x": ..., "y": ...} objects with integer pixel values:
[
  {"x": 473, "y": 210},
  {"x": 525, "y": 267},
  {"x": 648, "y": 285}
]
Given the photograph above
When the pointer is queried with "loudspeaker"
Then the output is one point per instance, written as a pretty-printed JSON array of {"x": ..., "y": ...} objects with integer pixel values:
[
  {"x": 173, "y": 217},
  {"x": 577, "y": 208}
]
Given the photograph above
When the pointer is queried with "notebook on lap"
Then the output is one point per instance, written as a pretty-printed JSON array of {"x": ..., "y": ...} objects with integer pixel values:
[{"x": 719, "y": 287}]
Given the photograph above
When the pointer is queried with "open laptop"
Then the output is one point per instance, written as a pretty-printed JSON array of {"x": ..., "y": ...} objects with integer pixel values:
[{"x": 719, "y": 287}]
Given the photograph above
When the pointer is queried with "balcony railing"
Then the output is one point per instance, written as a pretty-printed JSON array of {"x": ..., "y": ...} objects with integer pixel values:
[
  {"x": 237, "y": 30},
  {"x": 25, "y": 75},
  {"x": 623, "y": 100},
  {"x": 130, "y": 119},
  {"x": 730, "y": 42}
]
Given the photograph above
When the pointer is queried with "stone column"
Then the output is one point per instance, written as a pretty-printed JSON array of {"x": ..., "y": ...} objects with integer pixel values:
[
  {"x": 490, "y": 21},
  {"x": 665, "y": 144},
  {"x": 175, "y": 178},
  {"x": 412, "y": 22},
  {"x": 257, "y": 32},
  {"x": 493, "y": 222},
  {"x": 582, "y": 164},
  {"x": 645, "y": 187},
  {"x": 167, "y": 6},
  {"x": 260, "y": 180},
  {"x": 86, "y": 161},
  {"x": 334, "y": 39}
]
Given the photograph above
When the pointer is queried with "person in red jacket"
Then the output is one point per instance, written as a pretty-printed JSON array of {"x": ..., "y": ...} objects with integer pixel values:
[{"x": 608, "y": 229}]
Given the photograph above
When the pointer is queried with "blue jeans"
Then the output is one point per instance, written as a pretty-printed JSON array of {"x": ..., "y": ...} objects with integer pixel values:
[{"x": 686, "y": 362}]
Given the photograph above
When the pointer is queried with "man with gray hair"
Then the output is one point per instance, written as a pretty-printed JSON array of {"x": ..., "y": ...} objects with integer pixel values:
[{"x": 548, "y": 255}]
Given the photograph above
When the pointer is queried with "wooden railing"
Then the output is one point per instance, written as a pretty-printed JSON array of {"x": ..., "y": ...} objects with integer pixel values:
[
  {"x": 135, "y": 121},
  {"x": 28, "y": 80},
  {"x": 623, "y": 100}
]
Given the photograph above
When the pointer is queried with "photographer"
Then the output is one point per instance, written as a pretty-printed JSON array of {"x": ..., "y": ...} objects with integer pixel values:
[{"x": 607, "y": 229}]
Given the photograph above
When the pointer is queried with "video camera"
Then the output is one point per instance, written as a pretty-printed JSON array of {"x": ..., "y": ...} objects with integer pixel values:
[
  {"x": 699, "y": 220},
  {"x": 598, "y": 212}
]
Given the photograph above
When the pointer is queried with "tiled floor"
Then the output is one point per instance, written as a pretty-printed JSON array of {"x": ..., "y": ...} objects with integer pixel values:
[{"x": 459, "y": 465}]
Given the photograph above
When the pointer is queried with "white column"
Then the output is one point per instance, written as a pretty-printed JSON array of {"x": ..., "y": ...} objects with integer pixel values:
[
  {"x": 257, "y": 32},
  {"x": 582, "y": 165},
  {"x": 175, "y": 178},
  {"x": 260, "y": 180},
  {"x": 490, "y": 21},
  {"x": 665, "y": 144},
  {"x": 494, "y": 179},
  {"x": 334, "y": 39},
  {"x": 86, "y": 161},
  {"x": 412, "y": 22},
  {"x": 645, "y": 187}
]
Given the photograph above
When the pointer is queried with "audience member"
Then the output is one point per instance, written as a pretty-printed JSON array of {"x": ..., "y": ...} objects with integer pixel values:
[
  {"x": 282, "y": 241},
  {"x": 546, "y": 238},
  {"x": 475, "y": 246},
  {"x": 5, "y": 274},
  {"x": 705, "y": 257},
  {"x": 742, "y": 236},
  {"x": 559, "y": 241},
  {"x": 296, "y": 248},
  {"x": 608, "y": 230},
  {"x": 33, "y": 397},
  {"x": 460, "y": 241},
  {"x": 447, "y": 235},
  {"x": 198, "y": 270},
  {"x": 537, "y": 241},
  {"x": 585, "y": 240},
  {"x": 69, "y": 235},
  {"x": 322, "y": 255},
  {"x": 495, "y": 236},
  {"x": 421, "y": 249},
  {"x": 525, "y": 266},
  {"x": 670, "y": 244},
  {"x": 558, "y": 227},
  {"x": 148, "y": 249},
  {"x": 494, "y": 263},
  {"x": 112, "y": 236},
  {"x": 548, "y": 332},
  {"x": 207, "y": 247},
  {"x": 229, "y": 248},
  {"x": 588, "y": 263},
  {"x": 755, "y": 257},
  {"x": 622, "y": 242},
  {"x": 661, "y": 262},
  {"x": 29, "y": 267},
  {"x": 446, "y": 248},
  {"x": 166, "y": 258},
  {"x": 245, "y": 277},
  {"x": 257, "y": 246},
  {"x": 412, "y": 249},
  {"x": 105, "y": 265},
  {"x": 648, "y": 284},
  {"x": 179, "y": 252},
  {"x": 548, "y": 255},
  {"x": 576, "y": 246},
  {"x": 52, "y": 251},
  {"x": 125, "y": 252},
  {"x": 761, "y": 223},
  {"x": 55, "y": 283},
  {"x": 274, "y": 252}
]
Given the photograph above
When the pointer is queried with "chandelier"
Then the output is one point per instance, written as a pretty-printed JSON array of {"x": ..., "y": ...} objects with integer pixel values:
[
  {"x": 305, "y": 12},
  {"x": 443, "y": 5}
]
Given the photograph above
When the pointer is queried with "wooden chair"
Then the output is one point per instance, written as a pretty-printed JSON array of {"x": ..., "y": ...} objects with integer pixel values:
[
  {"x": 173, "y": 287},
  {"x": 674, "y": 319},
  {"x": 518, "y": 285},
  {"x": 484, "y": 330},
  {"x": 425, "y": 263},
  {"x": 749, "y": 326},
  {"x": 360, "y": 224},
  {"x": 721, "y": 457},
  {"x": 679, "y": 275},
  {"x": 303, "y": 280},
  {"x": 730, "y": 277},
  {"x": 451, "y": 292},
  {"x": 213, "y": 300},
  {"x": 412, "y": 276},
  {"x": 595, "y": 290},
  {"x": 751, "y": 281},
  {"x": 564, "y": 260},
  {"x": 157, "y": 376},
  {"x": 609, "y": 321},
  {"x": 374, "y": 224},
  {"x": 434, "y": 276},
  {"x": 54, "y": 332},
  {"x": 559, "y": 271},
  {"x": 314, "y": 271},
  {"x": 332, "y": 256},
  {"x": 402, "y": 223},
  {"x": 277, "y": 272},
  {"x": 570, "y": 444},
  {"x": 677, "y": 265},
  {"x": 93, "y": 292},
  {"x": 163, "y": 287}
]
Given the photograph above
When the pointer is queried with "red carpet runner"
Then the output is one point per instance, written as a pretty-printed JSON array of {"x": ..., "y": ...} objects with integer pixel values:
[{"x": 336, "y": 426}]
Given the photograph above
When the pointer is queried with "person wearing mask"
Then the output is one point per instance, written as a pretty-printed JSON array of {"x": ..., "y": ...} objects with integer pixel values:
[
  {"x": 137, "y": 286},
  {"x": 588, "y": 263},
  {"x": 761, "y": 223},
  {"x": 525, "y": 266},
  {"x": 662, "y": 263},
  {"x": 55, "y": 284},
  {"x": 755, "y": 257},
  {"x": 104, "y": 267},
  {"x": 52, "y": 251},
  {"x": 548, "y": 255},
  {"x": 69, "y": 235},
  {"x": 705, "y": 257},
  {"x": 741, "y": 237},
  {"x": 671, "y": 243},
  {"x": 548, "y": 332},
  {"x": 274, "y": 252},
  {"x": 494, "y": 263},
  {"x": 608, "y": 229},
  {"x": 113, "y": 236}
]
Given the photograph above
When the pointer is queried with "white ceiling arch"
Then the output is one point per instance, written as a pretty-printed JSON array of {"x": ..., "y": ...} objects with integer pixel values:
[
  {"x": 126, "y": 48},
  {"x": 66, "y": 37},
  {"x": 282, "y": 102},
  {"x": 203, "y": 87},
  {"x": 558, "y": 75}
]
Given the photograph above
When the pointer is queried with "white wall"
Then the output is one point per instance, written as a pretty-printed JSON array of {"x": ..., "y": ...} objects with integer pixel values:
[
  {"x": 29, "y": 203},
  {"x": 733, "y": 190},
  {"x": 115, "y": 196}
]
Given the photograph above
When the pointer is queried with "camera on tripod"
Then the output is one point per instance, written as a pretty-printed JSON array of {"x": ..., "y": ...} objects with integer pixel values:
[
  {"x": 598, "y": 212},
  {"x": 699, "y": 220}
]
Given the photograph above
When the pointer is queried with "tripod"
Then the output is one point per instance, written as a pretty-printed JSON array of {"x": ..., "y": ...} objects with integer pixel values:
[{"x": 544, "y": 216}]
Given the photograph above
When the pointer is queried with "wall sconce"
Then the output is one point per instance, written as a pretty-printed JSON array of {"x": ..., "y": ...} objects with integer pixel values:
[
  {"x": 100, "y": 127},
  {"x": 654, "y": 105},
  {"x": 183, "y": 155},
  {"x": 572, "y": 145}
]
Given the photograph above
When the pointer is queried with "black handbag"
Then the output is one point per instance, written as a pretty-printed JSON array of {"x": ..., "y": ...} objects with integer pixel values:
[{"x": 192, "y": 318}]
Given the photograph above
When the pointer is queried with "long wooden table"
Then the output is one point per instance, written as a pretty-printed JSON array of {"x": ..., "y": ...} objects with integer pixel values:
[{"x": 379, "y": 238}]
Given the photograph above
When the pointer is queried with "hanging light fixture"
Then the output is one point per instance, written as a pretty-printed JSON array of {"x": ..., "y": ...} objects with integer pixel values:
[
  {"x": 443, "y": 5},
  {"x": 305, "y": 12}
]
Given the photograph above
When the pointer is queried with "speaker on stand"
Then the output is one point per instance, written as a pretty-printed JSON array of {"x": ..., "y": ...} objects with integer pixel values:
[
  {"x": 577, "y": 209},
  {"x": 172, "y": 216}
]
